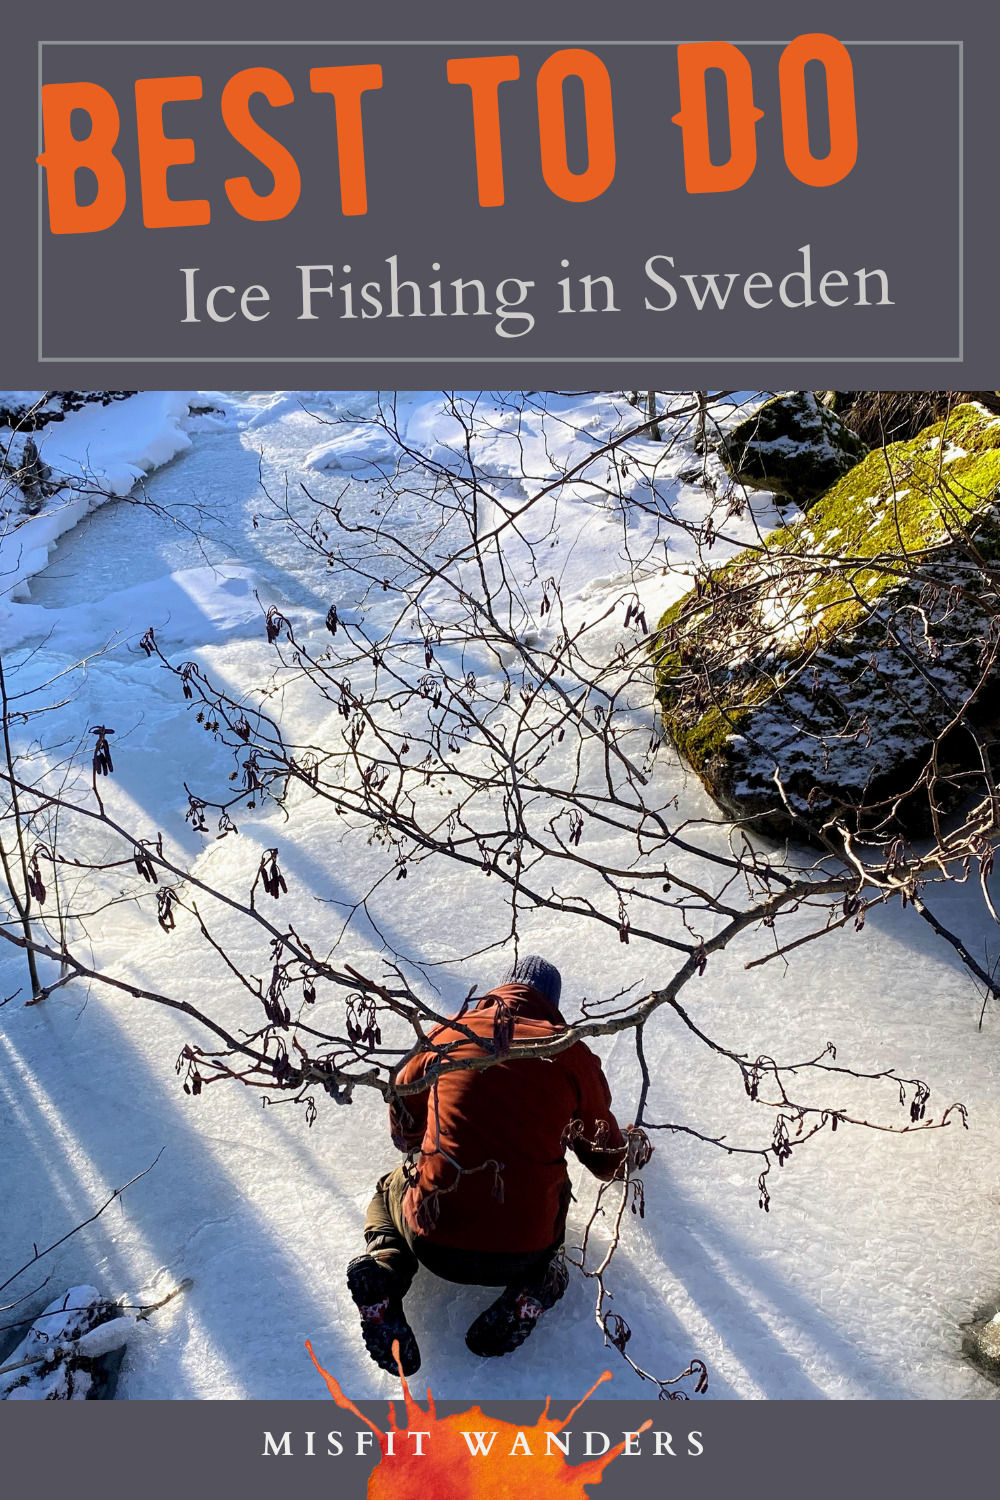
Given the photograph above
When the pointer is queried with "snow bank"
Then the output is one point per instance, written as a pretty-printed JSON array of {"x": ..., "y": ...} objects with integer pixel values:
[
  {"x": 46, "y": 1365},
  {"x": 111, "y": 447},
  {"x": 94, "y": 454},
  {"x": 293, "y": 403},
  {"x": 354, "y": 448}
]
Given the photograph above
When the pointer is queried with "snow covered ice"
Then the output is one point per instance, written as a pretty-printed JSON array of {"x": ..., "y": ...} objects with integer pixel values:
[{"x": 876, "y": 1247}]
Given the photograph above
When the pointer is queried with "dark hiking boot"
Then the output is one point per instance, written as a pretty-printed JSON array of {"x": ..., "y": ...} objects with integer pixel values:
[
  {"x": 505, "y": 1325},
  {"x": 382, "y": 1318}
]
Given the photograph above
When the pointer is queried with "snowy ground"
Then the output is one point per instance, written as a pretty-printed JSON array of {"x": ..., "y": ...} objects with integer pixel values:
[{"x": 854, "y": 1285}]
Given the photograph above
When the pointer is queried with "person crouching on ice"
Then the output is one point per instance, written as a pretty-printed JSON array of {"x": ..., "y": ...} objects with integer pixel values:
[{"x": 501, "y": 1220}]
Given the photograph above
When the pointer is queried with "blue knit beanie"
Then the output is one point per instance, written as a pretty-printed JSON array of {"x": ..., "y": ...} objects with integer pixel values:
[{"x": 539, "y": 973}]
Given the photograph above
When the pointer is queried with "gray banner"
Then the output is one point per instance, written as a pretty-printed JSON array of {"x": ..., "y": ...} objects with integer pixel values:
[
  {"x": 130, "y": 304},
  {"x": 213, "y": 1448}
]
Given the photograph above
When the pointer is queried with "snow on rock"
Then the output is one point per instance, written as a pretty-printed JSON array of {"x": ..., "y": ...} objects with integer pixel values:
[
  {"x": 74, "y": 1330},
  {"x": 792, "y": 446}
]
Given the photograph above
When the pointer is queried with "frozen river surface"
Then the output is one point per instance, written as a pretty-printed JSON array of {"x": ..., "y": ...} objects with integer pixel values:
[{"x": 853, "y": 1286}]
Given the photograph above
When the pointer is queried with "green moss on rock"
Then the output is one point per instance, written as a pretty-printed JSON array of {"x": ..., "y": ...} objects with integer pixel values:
[{"x": 832, "y": 655}]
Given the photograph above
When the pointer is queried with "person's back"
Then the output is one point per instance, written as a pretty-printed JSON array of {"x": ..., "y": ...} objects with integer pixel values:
[
  {"x": 491, "y": 1170},
  {"x": 483, "y": 1197}
]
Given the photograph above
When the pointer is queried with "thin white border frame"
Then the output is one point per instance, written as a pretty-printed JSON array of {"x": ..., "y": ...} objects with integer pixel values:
[{"x": 531, "y": 359}]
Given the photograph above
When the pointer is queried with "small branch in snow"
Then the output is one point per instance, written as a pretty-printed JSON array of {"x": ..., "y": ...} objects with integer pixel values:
[{"x": 40, "y": 1254}]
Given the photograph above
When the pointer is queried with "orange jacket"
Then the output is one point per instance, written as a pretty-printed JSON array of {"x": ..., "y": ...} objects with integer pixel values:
[{"x": 512, "y": 1114}]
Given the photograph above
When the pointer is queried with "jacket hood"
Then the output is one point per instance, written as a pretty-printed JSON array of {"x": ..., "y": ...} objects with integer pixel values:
[{"x": 523, "y": 1000}]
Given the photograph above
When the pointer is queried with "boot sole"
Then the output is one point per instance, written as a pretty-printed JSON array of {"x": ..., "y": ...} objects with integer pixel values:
[
  {"x": 519, "y": 1328},
  {"x": 369, "y": 1285}
]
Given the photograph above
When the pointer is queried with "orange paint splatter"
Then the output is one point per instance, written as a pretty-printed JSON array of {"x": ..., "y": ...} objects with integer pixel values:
[{"x": 469, "y": 1456}]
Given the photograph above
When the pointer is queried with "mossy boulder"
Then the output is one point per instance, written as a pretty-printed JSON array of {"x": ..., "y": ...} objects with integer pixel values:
[
  {"x": 806, "y": 680},
  {"x": 793, "y": 446}
]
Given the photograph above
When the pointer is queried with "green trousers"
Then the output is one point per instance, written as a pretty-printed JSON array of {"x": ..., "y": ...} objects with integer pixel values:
[{"x": 394, "y": 1245}]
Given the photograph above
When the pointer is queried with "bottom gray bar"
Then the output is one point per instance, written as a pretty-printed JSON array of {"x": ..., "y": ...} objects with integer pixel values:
[{"x": 262, "y": 1448}]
